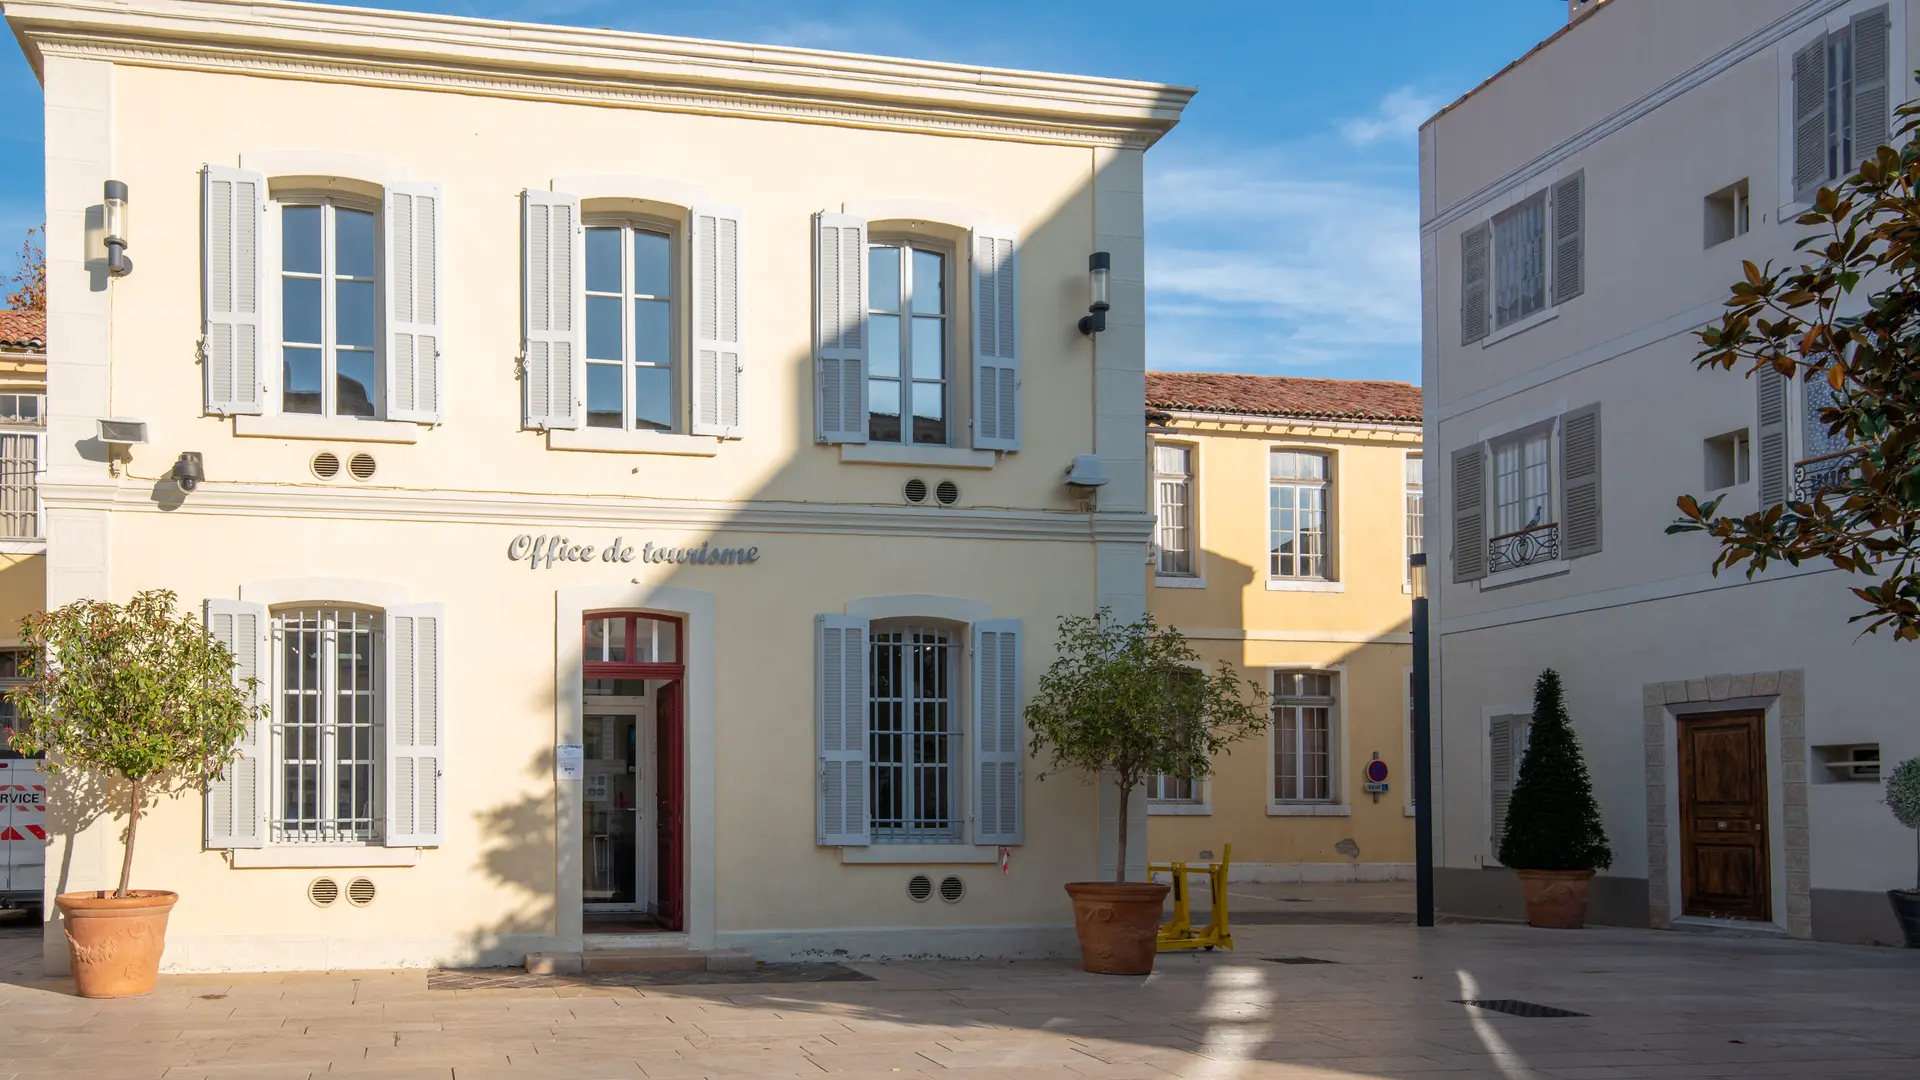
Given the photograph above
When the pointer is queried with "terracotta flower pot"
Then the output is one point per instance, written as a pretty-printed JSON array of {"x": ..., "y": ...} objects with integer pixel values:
[
  {"x": 1118, "y": 924},
  {"x": 116, "y": 941},
  {"x": 1556, "y": 899}
]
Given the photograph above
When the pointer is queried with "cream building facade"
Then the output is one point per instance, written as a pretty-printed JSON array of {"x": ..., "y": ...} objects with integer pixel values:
[
  {"x": 1583, "y": 213},
  {"x": 1286, "y": 509},
  {"x": 633, "y": 466}
]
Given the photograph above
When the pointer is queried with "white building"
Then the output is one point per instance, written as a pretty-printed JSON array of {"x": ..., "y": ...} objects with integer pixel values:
[{"x": 1583, "y": 212}]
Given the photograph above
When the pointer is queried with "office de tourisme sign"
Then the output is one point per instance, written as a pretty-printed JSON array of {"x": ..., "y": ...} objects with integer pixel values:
[{"x": 541, "y": 552}]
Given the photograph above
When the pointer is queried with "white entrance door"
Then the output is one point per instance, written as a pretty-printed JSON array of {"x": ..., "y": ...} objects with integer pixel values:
[{"x": 619, "y": 828}]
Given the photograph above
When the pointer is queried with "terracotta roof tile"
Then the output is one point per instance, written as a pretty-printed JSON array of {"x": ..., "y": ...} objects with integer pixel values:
[
  {"x": 1277, "y": 395},
  {"x": 23, "y": 329}
]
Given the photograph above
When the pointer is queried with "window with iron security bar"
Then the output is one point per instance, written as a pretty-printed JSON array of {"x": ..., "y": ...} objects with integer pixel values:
[
  {"x": 913, "y": 735},
  {"x": 1303, "y": 707},
  {"x": 1297, "y": 515},
  {"x": 1520, "y": 261},
  {"x": 327, "y": 725},
  {"x": 19, "y": 485},
  {"x": 1535, "y": 544},
  {"x": 1173, "y": 479}
]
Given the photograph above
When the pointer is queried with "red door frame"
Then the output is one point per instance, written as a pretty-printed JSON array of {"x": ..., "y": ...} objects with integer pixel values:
[{"x": 669, "y": 751}]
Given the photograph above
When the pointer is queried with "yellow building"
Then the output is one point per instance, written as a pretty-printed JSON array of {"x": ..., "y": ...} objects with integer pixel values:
[
  {"x": 23, "y": 587},
  {"x": 1287, "y": 508},
  {"x": 635, "y": 467}
]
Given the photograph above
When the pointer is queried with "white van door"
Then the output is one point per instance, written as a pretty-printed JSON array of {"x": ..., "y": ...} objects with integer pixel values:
[{"x": 23, "y": 828}]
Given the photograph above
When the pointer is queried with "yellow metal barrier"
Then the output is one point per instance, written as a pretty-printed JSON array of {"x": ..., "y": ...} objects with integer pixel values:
[{"x": 1180, "y": 932}]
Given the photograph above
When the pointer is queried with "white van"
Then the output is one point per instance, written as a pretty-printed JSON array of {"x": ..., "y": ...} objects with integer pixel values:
[{"x": 23, "y": 831}]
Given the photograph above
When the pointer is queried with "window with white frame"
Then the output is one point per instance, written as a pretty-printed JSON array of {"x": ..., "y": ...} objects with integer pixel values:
[
  {"x": 1303, "y": 736},
  {"x": 22, "y": 457},
  {"x": 1173, "y": 487},
  {"x": 1416, "y": 510},
  {"x": 1841, "y": 104},
  {"x": 327, "y": 725},
  {"x": 1520, "y": 261},
  {"x": 330, "y": 309},
  {"x": 17, "y": 408},
  {"x": 1172, "y": 788},
  {"x": 1522, "y": 482},
  {"x": 11, "y": 677},
  {"x": 630, "y": 345},
  {"x": 913, "y": 733},
  {"x": 1527, "y": 258},
  {"x": 1297, "y": 525},
  {"x": 909, "y": 386}
]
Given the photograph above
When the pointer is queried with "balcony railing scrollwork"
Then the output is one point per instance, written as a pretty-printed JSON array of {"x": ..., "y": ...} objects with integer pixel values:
[
  {"x": 1824, "y": 473},
  {"x": 1524, "y": 547}
]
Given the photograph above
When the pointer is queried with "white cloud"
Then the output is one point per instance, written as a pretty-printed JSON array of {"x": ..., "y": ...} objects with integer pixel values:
[{"x": 1399, "y": 116}]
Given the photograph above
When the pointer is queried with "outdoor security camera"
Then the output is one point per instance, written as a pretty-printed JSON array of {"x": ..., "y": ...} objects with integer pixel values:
[{"x": 187, "y": 472}]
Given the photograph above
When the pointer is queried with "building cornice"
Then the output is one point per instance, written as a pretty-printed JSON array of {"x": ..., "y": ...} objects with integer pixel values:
[
  {"x": 542, "y": 511},
  {"x": 1291, "y": 425},
  {"x": 321, "y": 43}
]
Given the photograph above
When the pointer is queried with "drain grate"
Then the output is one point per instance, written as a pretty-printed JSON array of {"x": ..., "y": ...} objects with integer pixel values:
[
  {"x": 1300, "y": 960},
  {"x": 1518, "y": 1008}
]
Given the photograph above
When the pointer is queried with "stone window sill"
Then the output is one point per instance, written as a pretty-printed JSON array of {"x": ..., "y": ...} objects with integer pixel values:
[
  {"x": 1516, "y": 576},
  {"x": 26, "y": 546},
  {"x": 1304, "y": 585},
  {"x": 609, "y": 441},
  {"x": 323, "y": 857},
  {"x": 887, "y": 854},
  {"x": 1179, "y": 582},
  {"x": 1179, "y": 810},
  {"x": 932, "y": 457},
  {"x": 328, "y": 428},
  {"x": 1520, "y": 327},
  {"x": 1308, "y": 810}
]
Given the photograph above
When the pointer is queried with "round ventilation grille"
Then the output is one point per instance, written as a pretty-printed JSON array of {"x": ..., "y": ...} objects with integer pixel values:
[
  {"x": 325, "y": 465},
  {"x": 361, "y": 466},
  {"x": 919, "y": 887},
  {"x": 916, "y": 491},
  {"x": 360, "y": 892},
  {"x": 948, "y": 493},
  {"x": 952, "y": 889},
  {"x": 323, "y": 891}
]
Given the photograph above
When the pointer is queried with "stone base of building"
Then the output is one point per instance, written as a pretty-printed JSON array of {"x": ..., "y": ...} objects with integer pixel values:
[
  {"x": 1307, "y": 873},
  {"x": 1494, "y": 893},
  {"x": 1030, "y": 942},
  {"x": 1855, "y": 917}
]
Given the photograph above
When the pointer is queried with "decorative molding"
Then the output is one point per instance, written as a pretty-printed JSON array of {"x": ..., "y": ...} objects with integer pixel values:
[
  {"x": 324, "y": 428},
  {"x": 298, "y": 162},
  {"x": 322, "y": 857},
  {"x": 951, "y": 608},
  {"x": 602, "y": 67},
  {"x": 1331, "y": 637},
  {"x": 927, "y": 457}
]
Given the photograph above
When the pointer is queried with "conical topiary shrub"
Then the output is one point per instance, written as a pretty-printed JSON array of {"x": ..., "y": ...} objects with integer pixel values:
[{"x": 1554, "y": 838}]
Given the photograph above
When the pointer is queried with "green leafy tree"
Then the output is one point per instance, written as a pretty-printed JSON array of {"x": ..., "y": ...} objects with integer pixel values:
[
  {"x": 1863, "y": 516},
  {"x": 1128, "y": 700},
  {"x": 1553, "y": 820},
  {"x": 27, "y": 286},
  {"x": 138, "y": 691}
]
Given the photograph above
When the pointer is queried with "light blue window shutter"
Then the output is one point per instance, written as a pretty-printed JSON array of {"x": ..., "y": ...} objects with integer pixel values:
[
  {"x": 236, "y": 800},
  {"x": 414, "y": 378},
  {"x": 996, "y": 339},
  {"x": 1810, "y": 120},
  {"x": 841, "y": 699},
  {"x": 840, "y": 328},
  {"x": 416, "y": 725},
  {"x": 719, "y": 356},
  {"x": 1476, "y": 282},
  {"x": 999, "y": 755},
  {"x": 232, "y": 214},
  {"x": 1469, "y": 502},
  {"x": 553, "y": 310},
  {"x": 1872, "y": 118}
]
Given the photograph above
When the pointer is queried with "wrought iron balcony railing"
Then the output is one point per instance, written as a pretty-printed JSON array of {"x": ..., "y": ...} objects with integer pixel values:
[
  {"x": 1823, "y": 473},
  {"x": 1524, "y": 547}
]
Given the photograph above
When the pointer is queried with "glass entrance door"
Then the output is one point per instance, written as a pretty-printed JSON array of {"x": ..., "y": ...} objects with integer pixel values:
[{"x": 618, "y": 823}]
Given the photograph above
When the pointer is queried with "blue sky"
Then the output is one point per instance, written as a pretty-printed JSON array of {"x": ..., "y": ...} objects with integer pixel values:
[{"x": 1282, "y": 228}]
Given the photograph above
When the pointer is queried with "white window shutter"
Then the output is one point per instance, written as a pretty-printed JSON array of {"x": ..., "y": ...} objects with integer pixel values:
[
  {"x": 233, "y": 337},
  {"x": 1810, "y": 120},
  {"x": 416, "y": 725},
  {"x": 1476, "y": 274},
  {"x": 1500, "y": 756},
  {"x": 841, "y": 696},
  {"x": 1770, "y": 439},
  {"x": 1580, "y": 482},
  {"x": 1569, "y": 237},
  {"x": 840, "y": 327},
  {"x": 999, "y": 756},
  {"x": 1872, "y": 118},
  {"x": 1469, "y": 499},
  {"x": 414, "y": 378},
  {"x": 719, "y": 357},
  {"x": 996, "y": 339},
  {"x": 553, "y": 310},
  {"x": 236, "y": 800}
]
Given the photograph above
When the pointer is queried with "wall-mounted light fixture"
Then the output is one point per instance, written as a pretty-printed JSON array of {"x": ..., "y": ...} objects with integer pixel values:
[
  {"x": 188, "y": 472},
  {"x": 1100, "y": 269},
  {"x": 115, "y": 201}
]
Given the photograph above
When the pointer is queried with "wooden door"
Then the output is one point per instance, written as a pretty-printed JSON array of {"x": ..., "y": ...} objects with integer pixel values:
[
  {"x": 1725, "y": 871},
  {"x": 670, "y": 771}
]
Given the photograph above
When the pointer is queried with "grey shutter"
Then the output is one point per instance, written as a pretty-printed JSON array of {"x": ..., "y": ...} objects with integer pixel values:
[
  {"x": 1569, "y": 237},
  {"x": 840, "y": 328},
  {"x": 236, "y": 800},
  {"x": 996, "y": 340},
  {"x": 1500, "y": 776},
  {"x": 841, "y": 697},
  {"x": 232, "y": 209},
  {"x": 1580, "y": 482},
  {"x": 718, "y": 356},
  {"x": 1872, "y": 119},
  {"x": 998, "y": 754},
  {"x": 414, "y": 380},
  {"x": 1468, "y": 500},
  {"x": 552, "y": 310},
  {"x": 416, "y": 725},
  {"x": 1810, "y": 120},
  {"x": 1476, "y": 271},
  {"x": 1776, "y": 465}
]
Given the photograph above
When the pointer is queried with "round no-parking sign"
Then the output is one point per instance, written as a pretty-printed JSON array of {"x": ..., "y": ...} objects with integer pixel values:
[{"x": 1377, "y": 771}]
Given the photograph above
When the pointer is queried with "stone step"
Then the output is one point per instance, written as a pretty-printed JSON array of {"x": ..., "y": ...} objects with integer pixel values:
[{"x": 638, "y": 961}]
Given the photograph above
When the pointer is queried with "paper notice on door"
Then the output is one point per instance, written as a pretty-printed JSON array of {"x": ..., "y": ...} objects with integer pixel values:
[{"x": 569, "y": 761}]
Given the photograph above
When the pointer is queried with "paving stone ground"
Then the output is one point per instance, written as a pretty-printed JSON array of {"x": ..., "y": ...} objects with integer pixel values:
[{"x": 1657, "y": 1005}]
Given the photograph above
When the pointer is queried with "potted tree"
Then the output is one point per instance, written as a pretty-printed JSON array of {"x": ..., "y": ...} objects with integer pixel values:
[
  {"x": 1903, "y": 798},
  {"x": 1127, "y": 701},
  {"x": 1554, "y": 838},
  {"x": 144, "y": 697}
]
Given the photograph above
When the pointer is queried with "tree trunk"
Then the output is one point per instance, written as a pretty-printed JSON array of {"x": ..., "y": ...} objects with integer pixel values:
[
  {"x": 1120, "y": 864},
  {"x": 133, "y": 826}
]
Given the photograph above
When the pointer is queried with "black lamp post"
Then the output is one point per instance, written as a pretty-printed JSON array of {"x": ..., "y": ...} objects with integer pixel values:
[
  {"x": 1100, "y": 273},
  {"x": 1422, "y": 749}
]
